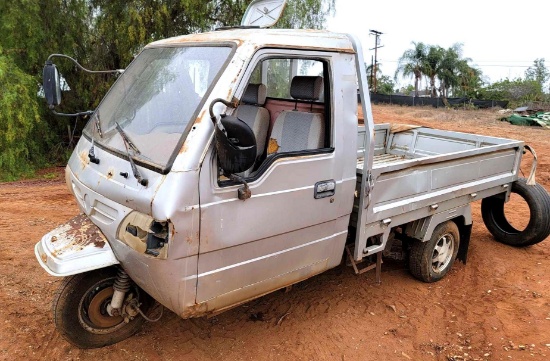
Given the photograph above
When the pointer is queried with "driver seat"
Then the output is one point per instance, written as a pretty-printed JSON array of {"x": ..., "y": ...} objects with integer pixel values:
[{"x": 252, "y": 112}]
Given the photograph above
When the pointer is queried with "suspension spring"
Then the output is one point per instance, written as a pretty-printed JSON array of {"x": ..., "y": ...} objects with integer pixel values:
[{"x": 122, "y": 282}]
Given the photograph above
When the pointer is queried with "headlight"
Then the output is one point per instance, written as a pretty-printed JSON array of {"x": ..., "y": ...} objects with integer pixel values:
[{"x": 145, "y": 234}]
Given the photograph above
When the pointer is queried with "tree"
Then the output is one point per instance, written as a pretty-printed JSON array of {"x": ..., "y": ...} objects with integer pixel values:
[
  {"x": 457, "y": 75},
  {"x": 100, "y": 34},
  {"x": 21, "y": 128},
  {"x": 408, "y": 90},
  {"x": 371, "y": 75},
  {"x": 518, "y": 91},
  {"x": 538, "y": 72},
  {"x": 29, "y": 32},
  {"x": 432, "y": 65},
  {"x": 450, "y": 67},
  {"x": 412, "y": 63},
  {"x": 385, "y": 85},
  {"x": 305, "y": 14},
  {"x": 469, "y": 81}
]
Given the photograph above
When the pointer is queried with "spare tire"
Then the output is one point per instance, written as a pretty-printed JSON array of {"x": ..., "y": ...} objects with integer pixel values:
[{"x": 538, "y": 228}]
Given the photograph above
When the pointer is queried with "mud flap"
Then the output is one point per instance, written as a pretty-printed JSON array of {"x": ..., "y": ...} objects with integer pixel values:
[
  {"x": 75, "y": 247},
  {"x": 465, "y": 234}
]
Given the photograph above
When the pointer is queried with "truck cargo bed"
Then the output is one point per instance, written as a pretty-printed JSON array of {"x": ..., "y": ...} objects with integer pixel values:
[{"x": 417, "y": 171}]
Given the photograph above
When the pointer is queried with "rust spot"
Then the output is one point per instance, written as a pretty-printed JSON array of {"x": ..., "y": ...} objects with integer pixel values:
[
  {"x": 199, "y": 118},
  {"x": 273, "y": 146},
  {"x": 189, "y": 239},
  {"x": 99, "y": 244},
  {"x": 54, "y": 238},
  {"x": 110, "y": 173},
  {"x": 44, "y": 258},
  {"x": 195, "y": 310},
  {"x": 183, "y": 148}
]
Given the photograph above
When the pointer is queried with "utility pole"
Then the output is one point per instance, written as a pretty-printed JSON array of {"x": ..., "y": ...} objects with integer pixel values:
[
  {"x": 376, "y": 46},
  {"x": 371, "y": 72}
]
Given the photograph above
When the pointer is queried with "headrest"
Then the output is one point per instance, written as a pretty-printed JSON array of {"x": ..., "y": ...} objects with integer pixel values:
[
  {"x": 254, "y": 94},
  {"x": 306, "y": 87}
]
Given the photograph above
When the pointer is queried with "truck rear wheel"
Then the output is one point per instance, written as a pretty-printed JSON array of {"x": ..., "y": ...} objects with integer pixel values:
[
  {"x": 80, "y": 309},
  {"x": 538, "y": 228},
  {"x": 430, "y": 261}
]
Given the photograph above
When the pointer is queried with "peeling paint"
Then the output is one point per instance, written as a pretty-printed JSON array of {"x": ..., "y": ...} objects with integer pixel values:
[
  {"x": 83, "y": 157},
  {"x": 77, "y": 234}
]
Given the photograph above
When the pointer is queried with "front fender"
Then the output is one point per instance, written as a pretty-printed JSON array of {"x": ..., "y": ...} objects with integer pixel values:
[{"x": 75, "y": 247}]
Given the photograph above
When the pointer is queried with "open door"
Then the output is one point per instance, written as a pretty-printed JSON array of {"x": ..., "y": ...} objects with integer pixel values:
[{"x": 263, "y": 13}]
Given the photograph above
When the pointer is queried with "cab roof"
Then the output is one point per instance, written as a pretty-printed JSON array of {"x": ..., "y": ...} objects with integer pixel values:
[{"x": 280, "y": 38}]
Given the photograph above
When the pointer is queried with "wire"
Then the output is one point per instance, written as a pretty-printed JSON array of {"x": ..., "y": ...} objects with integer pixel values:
[{"x": 150, "y": 319}]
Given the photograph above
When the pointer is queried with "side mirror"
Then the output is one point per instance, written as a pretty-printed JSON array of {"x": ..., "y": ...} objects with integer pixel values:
[
  {"x": 51, "y": 84},
  {"x": 235, "y": 144}
]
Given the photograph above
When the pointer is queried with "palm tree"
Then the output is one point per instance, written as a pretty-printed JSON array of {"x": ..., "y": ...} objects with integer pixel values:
[
  {"x": 412, "y": 62},
  {"x": 457, "y": 74},
  {"x": 432, "y": 65},
  {"x": 470, "y": 79},
  {"x": 449, "y": 71}
]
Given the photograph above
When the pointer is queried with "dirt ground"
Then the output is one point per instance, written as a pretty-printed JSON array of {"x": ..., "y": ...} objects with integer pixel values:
[{"x": 496, "y": 307}]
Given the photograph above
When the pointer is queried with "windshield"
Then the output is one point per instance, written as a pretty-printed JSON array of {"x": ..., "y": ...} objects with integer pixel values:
[{"x": 155, "y": 99}]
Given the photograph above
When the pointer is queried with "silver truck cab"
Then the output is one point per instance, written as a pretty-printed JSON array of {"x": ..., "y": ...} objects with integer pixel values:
[{"x": 180, "y": 231}]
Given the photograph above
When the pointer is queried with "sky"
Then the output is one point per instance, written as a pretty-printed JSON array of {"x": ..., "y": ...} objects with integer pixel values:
[{"x": 502, "y": 38}]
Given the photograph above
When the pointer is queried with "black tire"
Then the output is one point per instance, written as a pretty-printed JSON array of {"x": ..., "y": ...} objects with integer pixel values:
[
  {"x": 538, "y": 228},
  {"x": 79, "y": 310},
  {"x": 430, "y": 261}
]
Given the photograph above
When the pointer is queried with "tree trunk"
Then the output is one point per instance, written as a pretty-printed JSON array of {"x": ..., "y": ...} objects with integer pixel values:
[{"x": 432, "y": 85}]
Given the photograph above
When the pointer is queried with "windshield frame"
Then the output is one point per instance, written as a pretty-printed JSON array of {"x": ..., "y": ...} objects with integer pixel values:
[{"x": 140, "y": 161}]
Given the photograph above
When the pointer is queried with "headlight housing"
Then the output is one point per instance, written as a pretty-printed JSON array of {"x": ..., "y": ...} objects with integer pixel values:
[{"x": 145, "y": 234}]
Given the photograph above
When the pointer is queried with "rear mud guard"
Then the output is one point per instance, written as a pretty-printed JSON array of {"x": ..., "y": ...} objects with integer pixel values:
[
  {"x": 465, "y": 235},
  {"x": 77, "y": 246}
]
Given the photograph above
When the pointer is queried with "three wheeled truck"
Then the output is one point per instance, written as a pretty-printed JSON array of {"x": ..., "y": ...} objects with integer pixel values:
[{"x": 226, "y": 165}]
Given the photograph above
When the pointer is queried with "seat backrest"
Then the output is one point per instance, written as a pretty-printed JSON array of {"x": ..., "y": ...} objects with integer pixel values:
[
  {"x": 252, "y": 112},
  {"x": 296, "y": 130}
]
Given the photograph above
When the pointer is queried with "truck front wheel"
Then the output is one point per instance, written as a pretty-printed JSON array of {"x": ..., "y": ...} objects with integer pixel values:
[
  {"x": 80, "y": 309},
  {"x": 430, "y": 261}
]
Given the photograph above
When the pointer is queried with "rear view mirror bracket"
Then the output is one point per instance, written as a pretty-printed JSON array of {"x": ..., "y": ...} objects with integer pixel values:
[{"x": 51, "y": 83}]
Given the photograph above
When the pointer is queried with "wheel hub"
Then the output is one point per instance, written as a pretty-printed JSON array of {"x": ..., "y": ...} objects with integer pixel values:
[
  {"x": 97, "y": 310},
  {"x": 443, "y": 252}
]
